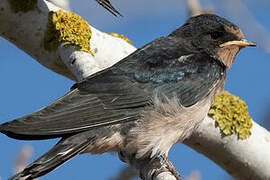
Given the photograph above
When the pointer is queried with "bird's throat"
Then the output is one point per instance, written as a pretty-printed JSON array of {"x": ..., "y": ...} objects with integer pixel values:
[{"x": 227, "y": 54}]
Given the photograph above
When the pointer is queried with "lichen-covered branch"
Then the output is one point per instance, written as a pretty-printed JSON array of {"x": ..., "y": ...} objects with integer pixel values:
[
  {"x": 242, "y": 159},
  {"x": 233, "y": 140},
  {"x": 44, "y": 31},
  {"x": 231, "y": 115},
  {"x": 56, "y": 39}
]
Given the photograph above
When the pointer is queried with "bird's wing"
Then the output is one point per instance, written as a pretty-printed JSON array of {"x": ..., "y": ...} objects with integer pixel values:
[
  {"x": 120, "y": 93},
  {"x": 194, "y": 79},
  {"x": 100, "y": 101},
  {"x": 107, "y": 5},
  {"x": 173, "y": 69}
]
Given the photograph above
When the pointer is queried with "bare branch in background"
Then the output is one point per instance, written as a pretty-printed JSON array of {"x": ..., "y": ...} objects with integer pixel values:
[
  {"x": 239, "y": 11},
  {"x": 194, "y": 8},
  {"x": 126, "y": 173},
  {"x": 195, "y": 175},
  {"x": 22, "y": 158},
  {"x": 243, "y": 159}
]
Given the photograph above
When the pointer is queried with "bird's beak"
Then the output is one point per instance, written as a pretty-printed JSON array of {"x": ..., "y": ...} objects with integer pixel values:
[{"x": 241, "y": 43}]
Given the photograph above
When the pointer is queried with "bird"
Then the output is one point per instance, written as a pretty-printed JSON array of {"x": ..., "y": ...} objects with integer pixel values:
[
  {"x": 109, "y": 7},
  {"x": 142, "y": 105}
]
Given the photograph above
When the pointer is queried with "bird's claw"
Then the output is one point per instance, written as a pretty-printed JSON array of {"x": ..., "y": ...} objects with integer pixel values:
[{"x": 167, "y": 164}]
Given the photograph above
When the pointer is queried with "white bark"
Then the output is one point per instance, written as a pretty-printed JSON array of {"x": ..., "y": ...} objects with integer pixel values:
[
  {"x": 27, "y": 30},
  {"x": 107, "y": 51},
  {"x": 22, "y": 158},
  {"x": 64, "y": 4},
  {"x": 243, "y": 159},
  {"x": 152, "y": 169}
]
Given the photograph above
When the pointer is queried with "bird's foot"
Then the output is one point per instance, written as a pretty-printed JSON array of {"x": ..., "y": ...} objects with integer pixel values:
[
  {"x": 167, "y": 164},
  {"x": 123, "y": 156},
  {"x": 150, "y": 168}
]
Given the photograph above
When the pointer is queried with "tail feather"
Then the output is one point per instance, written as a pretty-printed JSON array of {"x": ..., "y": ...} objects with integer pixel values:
[
  {"x": 107, "y": 5},
  {"x": 64, "y": 150}
]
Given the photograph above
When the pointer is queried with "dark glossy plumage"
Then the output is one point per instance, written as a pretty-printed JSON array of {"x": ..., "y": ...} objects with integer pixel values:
[
  {"x": 121, "y": 92},
  {"x": 122, "y": 108}
]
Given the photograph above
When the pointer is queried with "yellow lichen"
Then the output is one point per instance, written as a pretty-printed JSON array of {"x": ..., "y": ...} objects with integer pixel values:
[
  {"x": 67, "y": 28},
  {"x": 231, "y": 115},
  {"x": 22, "y": 5},
  {"x": 121, "y": 36}
]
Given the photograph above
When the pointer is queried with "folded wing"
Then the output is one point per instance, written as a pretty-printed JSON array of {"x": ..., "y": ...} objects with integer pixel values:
[
  {"x": 112, "y": 100},
  {"x": 122, "y": 92}
]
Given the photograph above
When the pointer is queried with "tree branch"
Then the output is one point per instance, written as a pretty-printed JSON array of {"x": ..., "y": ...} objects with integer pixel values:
[
  {"x": 195, "y": 175},
  {"x": 241, "y": 158},
  {"x": 22, "y": 158},
  {"x": 64, "y": 4},
  {"x": 239, "y": 11},
  {"x": 27, "y": 31},
  {"x": 194, "y": 8},
  {"x": 152, "y": 169}
]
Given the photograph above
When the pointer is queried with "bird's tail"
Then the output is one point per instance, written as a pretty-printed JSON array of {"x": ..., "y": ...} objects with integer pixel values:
[
  {"x": 65, "y": 149},
  {"x": 107, "y": 5}
]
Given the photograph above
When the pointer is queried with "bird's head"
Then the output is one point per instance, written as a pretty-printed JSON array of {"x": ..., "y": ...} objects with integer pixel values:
[{"x": 216, "y": 36}]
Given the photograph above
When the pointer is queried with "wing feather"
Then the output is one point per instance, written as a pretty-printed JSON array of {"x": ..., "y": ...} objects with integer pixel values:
[
  {"x": 77, "y": 111},
  {"x": 121, "y": 93}
]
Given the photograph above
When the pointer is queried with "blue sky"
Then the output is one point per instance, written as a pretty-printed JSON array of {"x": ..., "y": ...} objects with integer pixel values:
[{"x": 27, "y": 86}]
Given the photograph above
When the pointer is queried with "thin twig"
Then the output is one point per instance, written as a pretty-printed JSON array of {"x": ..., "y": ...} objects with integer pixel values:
[
  {"x": 22, "y": 158},
  {"x": 195, "y": 175},
  {"x": 194, "y": 8},
  {"x": 239, "y": 11}
]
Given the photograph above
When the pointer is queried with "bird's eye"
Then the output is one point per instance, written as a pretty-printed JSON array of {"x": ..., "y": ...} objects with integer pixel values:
[{"x": 216, "y": 34}]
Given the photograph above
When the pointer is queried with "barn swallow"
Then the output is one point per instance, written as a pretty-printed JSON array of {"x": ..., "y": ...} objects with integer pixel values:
[
  {"x": 107, "y": 5},
  {"x": 143, "y": 104}
]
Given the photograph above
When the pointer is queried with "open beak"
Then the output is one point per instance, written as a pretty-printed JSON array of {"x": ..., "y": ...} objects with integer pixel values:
[{"x": 241, "y": 43}]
